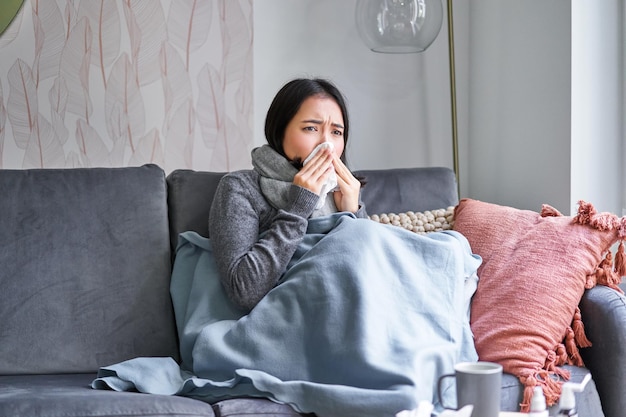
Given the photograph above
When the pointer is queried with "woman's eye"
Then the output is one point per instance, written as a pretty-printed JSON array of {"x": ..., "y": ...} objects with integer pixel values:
[
  {"x": 338, "y": 133},
  {"x": 310, "y": 128}
]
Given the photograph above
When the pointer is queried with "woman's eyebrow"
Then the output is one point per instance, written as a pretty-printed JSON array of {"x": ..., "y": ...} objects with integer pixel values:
[{"x": 319, "y": 122}]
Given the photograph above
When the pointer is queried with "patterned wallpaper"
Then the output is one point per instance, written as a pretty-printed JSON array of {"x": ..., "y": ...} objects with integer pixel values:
[{"x": 118, "y": 83}]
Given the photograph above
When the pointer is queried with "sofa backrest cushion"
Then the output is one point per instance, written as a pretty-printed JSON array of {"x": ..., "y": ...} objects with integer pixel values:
[
  {"x": 85, "y": 264},
  {"x": 190, "y": 194},
  {"x": 397, "y": 190}
]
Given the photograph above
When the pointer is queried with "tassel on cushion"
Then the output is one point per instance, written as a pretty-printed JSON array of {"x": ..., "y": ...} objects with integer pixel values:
[
  {"x": 591, "y": 281},
  {"x": 585, "y": 212},
  {"x": 621, "y": 229},
  {"x": 552, "y": 360},
  {"x": 573, "y": 354},
  {"x": 529, "y": 382},
  {"x": 579, "y": 330},
  {"x": 605, "y": 274},
  {"x": 605, "y": 221},
  {"x": 551, "y": 388},
  {"x": 549, "y": 211},
  {"x": 614, "y": 281},
  {"x": 561, "y": 356},
  {"x": 550, "y": 378}
]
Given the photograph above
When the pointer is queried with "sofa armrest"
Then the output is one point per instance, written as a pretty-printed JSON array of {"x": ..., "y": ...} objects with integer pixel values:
[{"x": 603, "y": 312}]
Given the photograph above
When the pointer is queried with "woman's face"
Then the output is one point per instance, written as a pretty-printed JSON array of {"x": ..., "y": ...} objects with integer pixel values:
[{"x": 318, "y": 120}]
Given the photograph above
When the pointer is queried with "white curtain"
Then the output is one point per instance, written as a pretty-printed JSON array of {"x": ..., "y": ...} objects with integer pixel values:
[{"x": 598, "y": 103}]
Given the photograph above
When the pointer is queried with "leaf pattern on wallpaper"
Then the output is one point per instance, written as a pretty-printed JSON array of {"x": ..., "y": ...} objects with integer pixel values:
[
  {"x": 71, "y": 16},
  {"x": 237, "y": 39},
  {"x": 244, "y": 96},
  {"x": 179, "y": 139},
  {"x": 97, "y": 61},
  {"x": 39, "y": 41},
  {"x": 74, "y": 69},
  {"x": 211, "y": 106},
  {"x": 188, "y": 25},
  {"x": 11, "y": 32},
  {"x": 44, "y": 149},
  {"x": 93, "y": 151},
  {"x": 106, "y": 27},
  {"x": 72, "y": 160},
  {"x": 228, "y": 155},
  {"x": 132, "y": 28},
  {"x": 149, "y": 35},
  {"x": 57, "y": 97},
  {"x": 149, "y": 149},
  {"x": 117, "y": 126},
  {"x": 22, "y": 105},
  {"x": 118, "y": 122},
  {"x": 124, "y": 106},
  {"x": 175, "y": 81},
  {"x": 241, "y": 160},
  {"x": 49, "y": 39},
  {"x": 244, "y": 100}
]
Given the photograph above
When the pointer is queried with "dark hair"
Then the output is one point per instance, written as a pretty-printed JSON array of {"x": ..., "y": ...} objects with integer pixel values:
[{"x": 287, "y": 102}]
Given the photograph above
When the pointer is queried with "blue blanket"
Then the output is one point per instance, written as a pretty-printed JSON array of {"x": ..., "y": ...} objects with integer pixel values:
[{"x": 365, "y": 319}]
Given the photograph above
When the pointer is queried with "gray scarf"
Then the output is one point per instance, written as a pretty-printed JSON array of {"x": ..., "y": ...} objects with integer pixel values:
[{"x": 277, "y": 177}]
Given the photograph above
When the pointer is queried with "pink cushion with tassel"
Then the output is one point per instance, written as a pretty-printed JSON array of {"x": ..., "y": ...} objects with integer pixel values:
[{"x": 535, "y": 269}]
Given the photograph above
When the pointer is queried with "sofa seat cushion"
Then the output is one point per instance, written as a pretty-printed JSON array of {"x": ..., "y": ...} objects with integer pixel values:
[
  {"x": 71, "y": 395},
  {"x": 253, "y": 407}
]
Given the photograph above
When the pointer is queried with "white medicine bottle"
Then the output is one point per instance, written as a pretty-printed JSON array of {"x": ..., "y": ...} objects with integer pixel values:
[{"x": 538, "y": 404}]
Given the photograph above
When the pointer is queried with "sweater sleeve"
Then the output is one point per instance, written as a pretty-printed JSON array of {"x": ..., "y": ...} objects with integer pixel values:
[
  {"x": 361, "y": 213},
  {"x": 250, "y": 262}
]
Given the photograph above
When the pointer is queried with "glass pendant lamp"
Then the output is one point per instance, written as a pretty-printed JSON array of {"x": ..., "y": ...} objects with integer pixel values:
[
  {"x": 398, "y": 26},
  {"x": 409, "y": 26}
]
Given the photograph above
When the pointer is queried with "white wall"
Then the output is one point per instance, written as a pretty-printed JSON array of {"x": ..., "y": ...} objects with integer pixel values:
[
  {"x": 547, "y": 94},
  {"x": 520, "y": 99},
  {"x": 399, "y": 104},
  {"x": 534, "y": 127}
]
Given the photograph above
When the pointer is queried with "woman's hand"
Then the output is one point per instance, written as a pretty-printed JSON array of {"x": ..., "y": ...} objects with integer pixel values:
[
  {"x": 347, "y": 198},
  {"x": 314, "y": 174}
]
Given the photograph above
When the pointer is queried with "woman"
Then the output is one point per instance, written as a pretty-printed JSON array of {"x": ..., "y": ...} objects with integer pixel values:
[
  {"x": 259, "y": 217},
  {"x": 305, "y": 287}
]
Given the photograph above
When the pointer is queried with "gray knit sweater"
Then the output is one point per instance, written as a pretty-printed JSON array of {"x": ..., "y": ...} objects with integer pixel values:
[{"x": 253, "y": 241}]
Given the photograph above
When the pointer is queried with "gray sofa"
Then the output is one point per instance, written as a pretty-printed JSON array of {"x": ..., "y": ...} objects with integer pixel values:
[{"x": 85, "y": 262}]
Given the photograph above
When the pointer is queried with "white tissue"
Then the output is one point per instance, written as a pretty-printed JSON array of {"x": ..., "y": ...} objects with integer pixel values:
[
  {"x": 425, "y": 408},
  {"x": 331, "y": 182}
]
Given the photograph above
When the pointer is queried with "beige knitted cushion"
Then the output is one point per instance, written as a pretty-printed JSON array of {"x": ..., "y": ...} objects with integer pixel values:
[{"x": 419, "y": 222}]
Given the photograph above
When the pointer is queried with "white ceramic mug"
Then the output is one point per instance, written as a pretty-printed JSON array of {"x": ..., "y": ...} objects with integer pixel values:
[{"x": 477, "y": 383}]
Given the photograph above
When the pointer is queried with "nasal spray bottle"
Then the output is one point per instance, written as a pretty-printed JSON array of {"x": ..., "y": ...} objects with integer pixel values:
[
  {"x": 538, "y": 404},
  {"x": 567, "y": 403}
]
